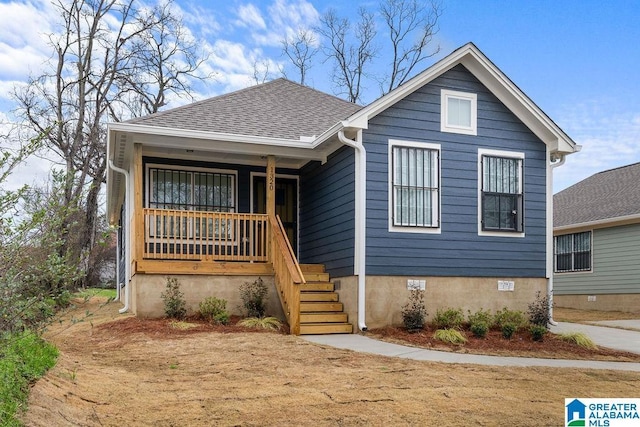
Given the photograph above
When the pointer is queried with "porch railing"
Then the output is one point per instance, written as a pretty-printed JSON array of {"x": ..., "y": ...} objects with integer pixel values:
[
  {"x": 204, "y": 236},
  {"x": 288, "y": 276}
]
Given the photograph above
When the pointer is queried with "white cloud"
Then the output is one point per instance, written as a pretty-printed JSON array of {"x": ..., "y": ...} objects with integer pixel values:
[{"x": 250, "y": 17}]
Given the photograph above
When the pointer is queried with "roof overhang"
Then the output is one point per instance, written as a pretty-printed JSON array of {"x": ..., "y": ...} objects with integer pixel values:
[{"x": 601, "y": 223}]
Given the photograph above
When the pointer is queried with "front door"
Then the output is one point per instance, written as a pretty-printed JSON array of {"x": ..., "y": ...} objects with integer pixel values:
[{"x": 286, "y": 204}]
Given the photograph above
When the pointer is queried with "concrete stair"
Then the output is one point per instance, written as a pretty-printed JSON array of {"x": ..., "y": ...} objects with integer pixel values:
[{"x": 321, "y": 312}]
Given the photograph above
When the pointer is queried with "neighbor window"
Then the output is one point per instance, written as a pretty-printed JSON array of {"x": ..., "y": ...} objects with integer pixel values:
[
  {"x": 501, "y": 199},
  {"x": 458, "y": 112},
  {"x": 573, "y": 252},
  {"x": 414, "y": 186}
]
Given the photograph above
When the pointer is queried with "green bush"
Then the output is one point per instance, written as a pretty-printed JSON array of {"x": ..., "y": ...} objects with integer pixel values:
[
  {"x": 254, "y": 298},
  {"x": 24, "y": 358},
  {"x": 173, "y": 298},
  {"x": 481, "y": 315},
  {"x": 214, "y": 310},
  {"x": 538, "y": 311},
  {"x": 538, "y": 332},
  {"x": 508, "y": 329},
  {"x": 414, "y": 312},
  {"x": 449, "y": 319},
  {"x": 451, "y": 336},
  {"x": 505, "y": 316},
  {"x": 479, "y": 328}
]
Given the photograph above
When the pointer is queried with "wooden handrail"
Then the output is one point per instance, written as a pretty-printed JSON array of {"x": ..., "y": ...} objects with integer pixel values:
[{"x": 288, "y": 275}]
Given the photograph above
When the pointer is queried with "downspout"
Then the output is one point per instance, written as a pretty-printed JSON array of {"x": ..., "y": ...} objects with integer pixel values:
[
  {"x": 555, "y": 162},
  {"x": 361, "y": 220},
  {"x": 126, "y": 264}
]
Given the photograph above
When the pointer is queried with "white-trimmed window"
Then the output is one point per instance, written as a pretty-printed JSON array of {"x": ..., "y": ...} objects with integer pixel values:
[
  {"x": 501, "y": 205},
  {"x": 458, "y": 112},
  {"x": 414, "y": 186},
  {"x": 572, "y": 252}
]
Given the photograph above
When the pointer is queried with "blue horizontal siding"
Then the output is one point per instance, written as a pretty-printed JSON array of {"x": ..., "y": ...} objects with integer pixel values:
[
  {"x": 327, "y": 209},
  {"x": 458, "y": 250}
]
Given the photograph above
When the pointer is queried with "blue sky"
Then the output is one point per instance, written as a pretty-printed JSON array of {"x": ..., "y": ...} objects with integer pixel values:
[{"x": 577, "y": 60}]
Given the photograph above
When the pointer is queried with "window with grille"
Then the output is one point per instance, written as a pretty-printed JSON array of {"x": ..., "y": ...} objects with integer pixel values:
[
  {"x": 573, "y": 252},
  {"x": 501, "y": 194},
  {"x": 415, "y": 185}
]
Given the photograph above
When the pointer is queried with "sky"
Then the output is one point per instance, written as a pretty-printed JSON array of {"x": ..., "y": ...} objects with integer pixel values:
[{"x": 578, "y": 60}]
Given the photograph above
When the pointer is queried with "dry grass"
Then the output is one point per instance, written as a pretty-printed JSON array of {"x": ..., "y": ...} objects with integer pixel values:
[
  {"x": 586, "y": 316},
  {"x": 146, "y": 373}
]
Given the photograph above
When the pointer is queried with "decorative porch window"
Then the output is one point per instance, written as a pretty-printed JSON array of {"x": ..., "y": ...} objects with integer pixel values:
[
  {"x": 573, "y": 252},
  {"x": 501, "y": 192},
  {"x": 415, "y": 186}
]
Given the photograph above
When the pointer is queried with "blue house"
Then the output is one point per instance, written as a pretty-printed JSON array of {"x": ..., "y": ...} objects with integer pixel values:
[{"x": 444, "y": 183}]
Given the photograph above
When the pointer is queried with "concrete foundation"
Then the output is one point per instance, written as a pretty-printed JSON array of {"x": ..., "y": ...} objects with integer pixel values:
[
  {"x": 610, "y": 302},
  {"x": 147, "y": 288}
]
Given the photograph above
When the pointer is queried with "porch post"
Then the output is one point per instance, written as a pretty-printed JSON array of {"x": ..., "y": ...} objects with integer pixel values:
[
  {"x": 271, "y": 186},
  {"x": 138, "y": 216}
]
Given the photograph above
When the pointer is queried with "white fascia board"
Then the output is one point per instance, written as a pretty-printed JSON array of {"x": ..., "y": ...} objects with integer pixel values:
[{"x": 602, "y": 223}]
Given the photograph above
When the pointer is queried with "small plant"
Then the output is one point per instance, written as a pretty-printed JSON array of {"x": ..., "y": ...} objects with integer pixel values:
[
  {"x": 538, "y": 332},
  {"x": 261, "y": 323},
  {"x": 508, "y": 329},
  {"x": 451, "y": 336},
  {"x": 449, "y": 319},
  {"x": 214, "y": 310},
  {"x": 254, "y": 297},
  {"x": 479, "y": 328},
  {"x": 579, "y": 338},
  {"x": 538, "y": 312},
  {"x": 414, "y": 312},
  {"x": 173, "y": 298},
  {"x": 504, "y": 316},
  {"x": 480, "y": 322}
]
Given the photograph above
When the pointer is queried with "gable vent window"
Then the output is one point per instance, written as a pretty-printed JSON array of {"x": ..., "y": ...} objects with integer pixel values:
[
  {"x": 415, "y": 186},
  {"x": 573, "y": 252},
  {"x": 501, "y": 194},
  {"x": 458, "y": 111}
]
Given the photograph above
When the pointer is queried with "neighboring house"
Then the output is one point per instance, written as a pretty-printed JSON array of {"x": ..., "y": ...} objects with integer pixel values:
[
  {"x": 444, "y": 183},
  {"x": 596, "y": 225}
]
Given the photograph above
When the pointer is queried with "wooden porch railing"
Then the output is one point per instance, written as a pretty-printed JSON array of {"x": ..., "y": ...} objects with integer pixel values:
[
  {"x": 288, "y": 276},
  {"x": 204, "y": 236}
]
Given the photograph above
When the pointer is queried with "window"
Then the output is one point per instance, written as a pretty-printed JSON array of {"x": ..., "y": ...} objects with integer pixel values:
[
  {"x": 414, "y": 186},
  {"x": 573, "y": 252},
  {"x": 458, "y": 112},
  {"x": 501, "y": 204},
  {"x": 191, "y": 190}
]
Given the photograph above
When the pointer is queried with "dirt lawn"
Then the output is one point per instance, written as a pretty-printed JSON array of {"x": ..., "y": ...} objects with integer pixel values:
[{"x": 115, "y": 370}]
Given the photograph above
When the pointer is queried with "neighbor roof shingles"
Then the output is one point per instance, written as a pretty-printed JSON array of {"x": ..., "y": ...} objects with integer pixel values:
[
  {"x": 277, "y": 109},
  {"x": 610, "y": 194}
]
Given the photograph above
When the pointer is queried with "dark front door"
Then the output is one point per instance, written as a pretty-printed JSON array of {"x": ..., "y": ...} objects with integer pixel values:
[{"x": 286, "y": 204}]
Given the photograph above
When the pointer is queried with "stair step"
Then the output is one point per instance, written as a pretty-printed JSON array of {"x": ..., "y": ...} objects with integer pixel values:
[
  {"x": 317, "y": 287},
  {"x": 336, "y": 317},
  {"x": 318, "y": 297},
  {"x": 326, "y": 328},
  {"x": 312, "y": 268},
  {"x": 315, "y": 307},
  {"x": 316, "y": 277}
]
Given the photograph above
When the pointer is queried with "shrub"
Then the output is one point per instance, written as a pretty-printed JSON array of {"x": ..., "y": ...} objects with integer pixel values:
[
  {"x": 254, "y": 298},
  {"x": 508, "y": 329},
  {"x": 261, "y": 323},
  {"x": 173, "y": 298},
  {"x": 451, "y": 336},
  {"x": 414, "y": 312},
  {"x": 479, "y": 328},
  {"x": 579, "y": 338},
  {"x": 214, "y": 310},
  {"x": 505, "y": 316},
  {"x": 538, "y": 332},
  {"x": 539, "y": 311},
  {"x": 449, "y": 319}
]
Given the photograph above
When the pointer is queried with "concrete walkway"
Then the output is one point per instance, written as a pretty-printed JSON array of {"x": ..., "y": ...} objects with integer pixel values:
[{"x": 603, "y": 336}]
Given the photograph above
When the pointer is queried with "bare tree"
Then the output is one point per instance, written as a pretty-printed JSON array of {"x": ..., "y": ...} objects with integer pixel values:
[
  {"x": 412, "y": 25},
  {"x": 300, "y": 49},
  {"x": 351, "y": 54},
  {"x": 110, "y": 62}
]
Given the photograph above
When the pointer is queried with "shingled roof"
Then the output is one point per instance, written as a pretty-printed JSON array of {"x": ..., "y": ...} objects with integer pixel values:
[
  {"x": 276, "y": 109},
  {"x": 606, "y": 195}
]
